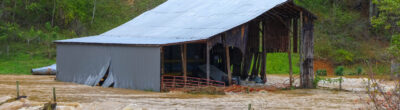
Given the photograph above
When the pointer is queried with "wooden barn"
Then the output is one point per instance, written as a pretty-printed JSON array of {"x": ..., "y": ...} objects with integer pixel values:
[{"x": 190, "y": 43}]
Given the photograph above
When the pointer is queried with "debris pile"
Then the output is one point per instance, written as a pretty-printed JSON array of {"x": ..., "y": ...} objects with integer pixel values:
[{"x": 248, "y": 89}]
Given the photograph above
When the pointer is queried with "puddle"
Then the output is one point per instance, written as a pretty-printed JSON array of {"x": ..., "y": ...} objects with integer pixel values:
[{"x": 81, "y": 97}]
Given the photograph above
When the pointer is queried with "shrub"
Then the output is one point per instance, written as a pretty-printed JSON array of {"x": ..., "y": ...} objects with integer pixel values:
[
  {"x": 359, "y": 70},
  {"x": 321, "y": 72},
  {"x": 339, "y": 71}
]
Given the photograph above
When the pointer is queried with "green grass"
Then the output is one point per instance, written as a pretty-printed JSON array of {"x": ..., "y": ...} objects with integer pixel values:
[
  {"x": 278, "y": 63},
  {"x": 22, "y": 64},
  {"x": 22, "y": 58}
]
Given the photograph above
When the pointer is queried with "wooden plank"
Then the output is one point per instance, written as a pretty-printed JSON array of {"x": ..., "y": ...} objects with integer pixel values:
[
  {"x": 184, "y": 61},
  {"x": 208, "y": 62},
  {"x": 228, "y": 64}
]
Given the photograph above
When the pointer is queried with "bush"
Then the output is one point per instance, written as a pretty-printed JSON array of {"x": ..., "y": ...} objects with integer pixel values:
[
  {"x": 339, "y": 71},
  {"x": 321, "y": 72},
  {"x": 359, "y": 70}
]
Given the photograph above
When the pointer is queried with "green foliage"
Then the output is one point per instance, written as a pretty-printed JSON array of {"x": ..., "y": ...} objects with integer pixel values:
[
  {"x": 28, "y": 27},
  {"x": 359, "y": 70},
  {"x": 388, "y": 21},
  {"x": 342, "y": 32},
  {"x": 317, "y": 79},
  {"x": 345, "y": 56},
  {"x": 339, "y": 71},
  {"x": 321, "y": 72}
]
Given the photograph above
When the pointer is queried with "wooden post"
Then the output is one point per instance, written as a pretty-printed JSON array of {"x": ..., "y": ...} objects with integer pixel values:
[
  {"x": 301, "y": 48},
  {"x": 290, "y": 58},
  {"x": 17, "y": 89},
  {"x": 184, "y": 62},
  {"x": 295, "y": 35},
  {"x": 307, "y": 49},
  {"x": 228, "y": 64},
  {"x": 208, "y": 62},
  {"x": 162, "y": 60},
  {"x": 264, "y": 54},
  {"x": 54, "y": 95}
]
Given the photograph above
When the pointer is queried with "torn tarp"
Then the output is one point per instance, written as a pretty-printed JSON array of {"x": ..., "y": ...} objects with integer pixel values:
[{"x": 47, "y": 70}]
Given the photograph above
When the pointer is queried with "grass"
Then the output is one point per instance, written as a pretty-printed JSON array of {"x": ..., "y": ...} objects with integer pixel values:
[
  {"x": 278, "y": 63},
  {"x": 22, "y": 58}
]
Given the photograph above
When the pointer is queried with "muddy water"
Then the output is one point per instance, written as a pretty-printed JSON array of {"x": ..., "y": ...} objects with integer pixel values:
[{"x": 74, "y": 96}]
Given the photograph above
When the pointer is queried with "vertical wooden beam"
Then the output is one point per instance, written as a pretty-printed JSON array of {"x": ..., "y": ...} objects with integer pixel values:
[
  {"x": 295, "y": 35},
  {"x": 208, "y": 61},
  {"x": 307, "y": 49},
  {"x": 162, "y": 60},
  {"x": 290, "y": 58},
  {"x": 184, "y": 61},
  {"x": 228, "y": 64},
  {"x": 264, "y": 54},
  {"x": 301, "y": 47}
]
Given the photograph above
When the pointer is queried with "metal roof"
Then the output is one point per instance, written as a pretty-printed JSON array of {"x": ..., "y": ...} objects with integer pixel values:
[{"x": 182, "y": 20}]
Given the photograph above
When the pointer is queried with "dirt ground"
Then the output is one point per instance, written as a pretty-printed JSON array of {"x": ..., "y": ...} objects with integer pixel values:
[{"x": 80, "y": 97}]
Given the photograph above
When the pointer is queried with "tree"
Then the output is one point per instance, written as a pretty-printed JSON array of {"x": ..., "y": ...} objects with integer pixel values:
[{"x": 388, "y": 21}]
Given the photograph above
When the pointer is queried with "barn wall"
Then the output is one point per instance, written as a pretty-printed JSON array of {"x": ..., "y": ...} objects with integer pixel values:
[{"x": 129, "y": 67}]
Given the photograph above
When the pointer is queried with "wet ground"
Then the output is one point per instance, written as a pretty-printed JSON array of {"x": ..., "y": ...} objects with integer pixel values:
[{"x": 81, "y": 97}]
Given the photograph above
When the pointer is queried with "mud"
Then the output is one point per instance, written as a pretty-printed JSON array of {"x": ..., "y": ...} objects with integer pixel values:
[{"x": 73, "y": 96}]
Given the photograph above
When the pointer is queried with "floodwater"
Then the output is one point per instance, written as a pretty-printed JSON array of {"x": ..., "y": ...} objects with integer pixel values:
[{"x": 80, "y": 97}]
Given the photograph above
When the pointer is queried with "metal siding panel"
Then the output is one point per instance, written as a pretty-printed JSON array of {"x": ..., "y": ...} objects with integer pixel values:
[
  {"x": 83, "y": 64},
  {"x": 136, "y": 67},
  {"x": 130, "y": 67}
]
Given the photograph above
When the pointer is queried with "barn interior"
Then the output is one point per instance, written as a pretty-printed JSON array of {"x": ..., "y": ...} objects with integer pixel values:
[{"x": 240, "y": 53}]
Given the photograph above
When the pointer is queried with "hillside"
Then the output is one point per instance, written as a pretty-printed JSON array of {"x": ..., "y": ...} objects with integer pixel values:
[{"x": 27, "y": 29}]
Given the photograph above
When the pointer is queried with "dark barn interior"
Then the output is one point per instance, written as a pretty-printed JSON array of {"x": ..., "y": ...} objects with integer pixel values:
[{"x": 285, "y": 28}]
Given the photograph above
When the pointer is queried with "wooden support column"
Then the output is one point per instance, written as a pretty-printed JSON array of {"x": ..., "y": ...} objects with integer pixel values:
[
  {"x": 290, "y": 59},
  {"x": 301, "y": 48},
  {"x": 264, "y": 54},
  {"x": 307, "y": 49},
  {"x": 184, "y": 62},
  {"x": 228, "y": 64},
  {"x": 162, "y": 60},
  {"x": 208, "y": 48},
  {"x": 295, "y": 35}
]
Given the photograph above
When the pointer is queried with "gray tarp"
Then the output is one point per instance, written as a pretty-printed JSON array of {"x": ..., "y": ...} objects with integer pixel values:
[
  {"x": 183, "y": 20},
  {"x": 129, "y": 67},
  {"x": 47, "y": 70}
]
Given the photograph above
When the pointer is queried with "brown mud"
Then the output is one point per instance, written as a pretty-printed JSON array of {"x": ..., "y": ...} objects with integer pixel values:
[{"x": 82, "y": 97}]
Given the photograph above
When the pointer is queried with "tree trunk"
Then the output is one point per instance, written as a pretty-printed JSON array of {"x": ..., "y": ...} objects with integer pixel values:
[
  {"x": 8, "y": 49},
  {"x": 94, "y": 10},
  {"x": 2, "y": 7},
  {"x": 15, "y": 10},
  {"x": 54, "y": 11}
]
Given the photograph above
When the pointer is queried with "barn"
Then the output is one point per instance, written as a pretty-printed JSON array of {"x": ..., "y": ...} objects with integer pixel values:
[{"x": 197, "y": 42}]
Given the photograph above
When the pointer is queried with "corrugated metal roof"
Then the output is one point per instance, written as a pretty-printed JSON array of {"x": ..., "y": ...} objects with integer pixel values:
[{"x": 182, "y": 20}]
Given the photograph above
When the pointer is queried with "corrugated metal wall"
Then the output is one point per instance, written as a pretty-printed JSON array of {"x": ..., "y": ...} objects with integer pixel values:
[{"x": 130, "y": 67}]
